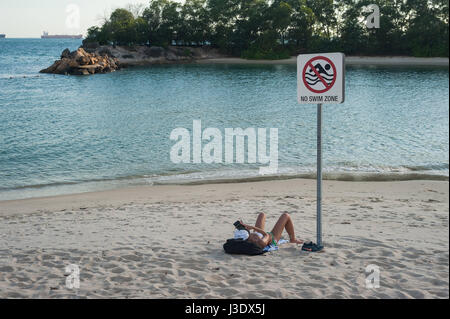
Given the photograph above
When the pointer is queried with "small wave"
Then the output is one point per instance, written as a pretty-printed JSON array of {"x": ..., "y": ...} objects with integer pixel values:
[
  {"x": 432, "y": 167},
  {"x": 230, "y": 176},
  {"x": 363, "y": 174},
  {"x": 347, "y": 177},
  {"x": 18, "y": 76}
]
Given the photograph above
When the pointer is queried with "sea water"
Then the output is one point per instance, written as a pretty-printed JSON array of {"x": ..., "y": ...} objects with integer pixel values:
[{"x": 65, "y": 134}]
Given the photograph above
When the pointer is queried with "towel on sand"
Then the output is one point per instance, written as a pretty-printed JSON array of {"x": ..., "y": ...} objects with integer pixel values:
[
  {"x": 272, "y": 247},
  {"x": 243, "y": 234}
]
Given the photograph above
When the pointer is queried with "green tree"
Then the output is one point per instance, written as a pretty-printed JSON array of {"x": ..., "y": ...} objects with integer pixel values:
[
  {"x": 163, "y": 19},
  {"x": 251, "y": 25},
  {"x": 428, "y": 29},
  {"x": 353, "y": 35},
  {"x": 280, "y": 14},
  {"x": 195, "y": 24},
  {"x": 301, "y": 27},
  {"x": 223, "y": 15},
  {"x": 123, "y": 27},
  {"x": 325, "y": 20},
  {"x": 277, "y": 28}
]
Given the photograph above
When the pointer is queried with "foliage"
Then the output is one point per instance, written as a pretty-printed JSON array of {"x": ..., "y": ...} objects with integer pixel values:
[{"x": 275, "y": 29}]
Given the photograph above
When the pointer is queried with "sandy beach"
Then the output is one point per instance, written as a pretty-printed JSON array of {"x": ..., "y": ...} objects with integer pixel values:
[
  {"x": 166, "y": 242},
  {"x": 350, "y": 60}
]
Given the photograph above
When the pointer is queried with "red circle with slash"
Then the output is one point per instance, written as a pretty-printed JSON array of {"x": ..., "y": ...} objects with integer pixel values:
[{"x": 327, "y": 86}]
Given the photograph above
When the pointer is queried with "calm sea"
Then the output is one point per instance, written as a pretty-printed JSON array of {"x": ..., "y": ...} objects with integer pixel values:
[{"x": 66, "y": 134}]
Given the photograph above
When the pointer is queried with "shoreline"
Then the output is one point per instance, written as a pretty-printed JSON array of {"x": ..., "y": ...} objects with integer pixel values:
[
  {"x": 168, "y": 192},
  {"x": 67, "y": 189},
  {"x": 349, "y": 60},
  {"x": 147, "y": 56},
  {"x": 105, "y": 59},
  {"x": 166, "y": 242}
]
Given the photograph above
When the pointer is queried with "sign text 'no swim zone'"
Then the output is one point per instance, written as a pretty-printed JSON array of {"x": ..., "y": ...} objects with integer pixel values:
[{"x": 321, "y": 78}]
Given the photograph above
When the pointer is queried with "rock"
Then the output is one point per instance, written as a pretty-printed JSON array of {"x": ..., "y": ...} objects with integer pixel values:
[
  {"x": 88, "y": 67},
  {"x": 80, "y": 72},
  {"x": 90, "y": 46},
  {"x": 105, "y": 52},
  {"x": 171, "y": 56},
  {"x": 83, "y": 60},
  {"x": 112, "y": 63},
  {"x": 65, "y": 54},
  {"x": 80, "y": 62},
  {"x": 50, "y": 69},
  {"x": 154, "y": 52},
  {"x": 63, "y": 67},
  {"x": 181, "y": 52},
  {"x": 103, "y": 59},
  {"x": 78, "y": 54},
  {"x": 73, "y": 64}
]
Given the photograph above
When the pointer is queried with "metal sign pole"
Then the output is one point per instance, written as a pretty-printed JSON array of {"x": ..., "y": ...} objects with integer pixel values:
[
  {"x": 319, "y": 175},
  {"x": 320, "y": 77}
]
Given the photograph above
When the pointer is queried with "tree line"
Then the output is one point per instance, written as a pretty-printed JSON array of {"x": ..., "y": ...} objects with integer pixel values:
[{"x": 274, "y": 29}]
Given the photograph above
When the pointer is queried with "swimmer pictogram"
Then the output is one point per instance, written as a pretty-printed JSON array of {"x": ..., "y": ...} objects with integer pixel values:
[{"x": 319, "y": 74}]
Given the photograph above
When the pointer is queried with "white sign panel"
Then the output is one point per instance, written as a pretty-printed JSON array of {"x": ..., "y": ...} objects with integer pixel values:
[{"x": 320, "y": 78}]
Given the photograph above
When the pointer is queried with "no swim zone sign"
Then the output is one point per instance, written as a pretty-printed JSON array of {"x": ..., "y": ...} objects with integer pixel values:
[{"x": 320, "y": 78}]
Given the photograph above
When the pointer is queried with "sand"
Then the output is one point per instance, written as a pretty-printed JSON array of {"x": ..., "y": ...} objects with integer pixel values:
[
  {"x": 350, "y": 60},
  {"x": 166, "y": 242}
]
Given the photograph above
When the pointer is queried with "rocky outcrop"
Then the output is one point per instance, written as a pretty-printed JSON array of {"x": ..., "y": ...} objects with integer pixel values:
[
  {"x": 145, "y": 55},
  {"x": 93, "y": 58},
  {"x": 80, "y": 62}
]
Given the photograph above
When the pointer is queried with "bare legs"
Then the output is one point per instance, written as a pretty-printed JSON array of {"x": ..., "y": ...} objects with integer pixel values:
[
  {"x": 285, "y": 222},
  {"x": 261, "y": 221}
]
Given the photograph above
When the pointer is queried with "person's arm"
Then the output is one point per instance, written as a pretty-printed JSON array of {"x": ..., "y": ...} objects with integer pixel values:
[
  {"x": 263, "y": 242},
  {"x": 259, "y": 230}
]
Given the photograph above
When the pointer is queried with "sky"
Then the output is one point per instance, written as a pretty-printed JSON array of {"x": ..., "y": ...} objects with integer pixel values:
[{"x": 29, "y": 18}]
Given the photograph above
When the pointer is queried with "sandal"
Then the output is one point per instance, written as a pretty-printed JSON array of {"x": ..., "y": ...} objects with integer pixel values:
[{"x": 311, "y": 247}]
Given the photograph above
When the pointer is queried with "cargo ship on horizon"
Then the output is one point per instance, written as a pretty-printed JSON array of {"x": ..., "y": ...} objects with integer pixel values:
[
  {"x": 45, "y": 35},
  {"x": 2, "y": 36}
]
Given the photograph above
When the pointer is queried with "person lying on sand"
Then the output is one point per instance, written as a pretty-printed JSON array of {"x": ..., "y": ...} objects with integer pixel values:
[{"x": 263, "y": 239}]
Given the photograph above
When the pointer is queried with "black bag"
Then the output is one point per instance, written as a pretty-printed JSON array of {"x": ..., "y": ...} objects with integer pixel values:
[{"x": 242, "y": 247}]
